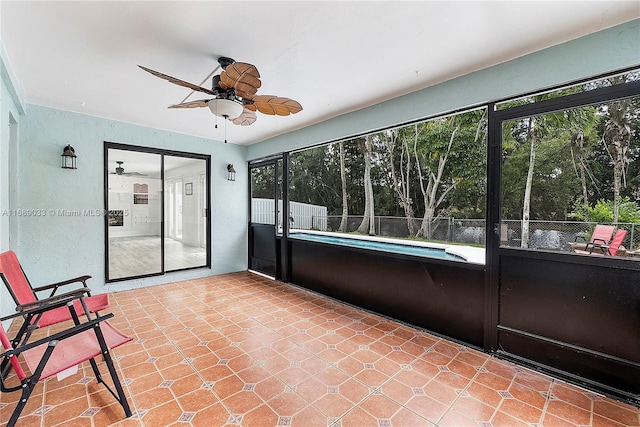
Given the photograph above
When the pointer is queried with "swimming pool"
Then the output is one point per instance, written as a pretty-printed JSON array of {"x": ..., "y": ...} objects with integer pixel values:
[{"x": 386, "y": 245}]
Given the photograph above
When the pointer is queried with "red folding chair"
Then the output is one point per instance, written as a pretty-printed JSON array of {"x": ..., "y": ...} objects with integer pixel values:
[
  {"x": 25, "y": 297},
  {"x": 63, "y": 350},
  {"x": 606, "y": 249},
  {"x": 601, "y": 235}
]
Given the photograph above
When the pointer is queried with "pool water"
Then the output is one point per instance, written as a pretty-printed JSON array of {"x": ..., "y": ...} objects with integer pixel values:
[{"x": 397, "y": 248}]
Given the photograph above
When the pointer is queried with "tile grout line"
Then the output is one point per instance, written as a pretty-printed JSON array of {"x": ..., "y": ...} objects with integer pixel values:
[
  {"x": 546, "y": 402},
  {"x": 450, "y": 408}
]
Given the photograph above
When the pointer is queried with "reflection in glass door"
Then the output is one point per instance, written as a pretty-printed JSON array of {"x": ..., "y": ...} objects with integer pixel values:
[
  {"x": 185, "y": 236},
  {"x": 158, "y": 206},
  {"x": 173, "y": 194},
  {"x": 134, "y": 214}
]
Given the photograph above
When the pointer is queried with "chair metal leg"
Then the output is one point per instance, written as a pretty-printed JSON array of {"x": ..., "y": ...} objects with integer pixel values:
[
  {"x": 120, "y": 397},
  {"x": 96, "y": 371},
  {"x": 27, "y": 388},
  {"x": 29, "y": 383},
  {"x": 116, "y": 382}
]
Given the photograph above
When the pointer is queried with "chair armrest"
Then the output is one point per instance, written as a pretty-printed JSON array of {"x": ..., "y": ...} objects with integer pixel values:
[
  {"x": 59, "y": 336},
  {"x": 44, "y": 302},
  {"x": 42, "y": 307},
  {"x": 603, "y": 248},
  {"x": 55, "y": 286},
  {"x": 602, "y": 242}
]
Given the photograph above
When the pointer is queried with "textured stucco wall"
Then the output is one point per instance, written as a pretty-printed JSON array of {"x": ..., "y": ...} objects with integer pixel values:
[
  {"x": 54, "y": 246},
  {"x": 11, "y": 108},
  {"x": 598, "y": 53}
]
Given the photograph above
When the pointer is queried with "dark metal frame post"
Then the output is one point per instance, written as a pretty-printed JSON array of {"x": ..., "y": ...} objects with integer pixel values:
[
  {"x": 284, "y": 243},
  {"x": 492, "y": 284}
]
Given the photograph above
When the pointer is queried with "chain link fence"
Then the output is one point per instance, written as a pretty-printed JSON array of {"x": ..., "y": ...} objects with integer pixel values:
[
  {"x": 558, "y": 235},
  {"x": 546, "y": 235}
]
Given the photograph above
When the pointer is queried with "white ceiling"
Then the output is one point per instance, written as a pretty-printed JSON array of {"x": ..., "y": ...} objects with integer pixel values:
[{"x": 332, "y": 57}]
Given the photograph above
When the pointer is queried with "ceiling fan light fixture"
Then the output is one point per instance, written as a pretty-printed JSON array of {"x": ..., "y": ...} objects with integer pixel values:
[{"x": 225, "y": 108}]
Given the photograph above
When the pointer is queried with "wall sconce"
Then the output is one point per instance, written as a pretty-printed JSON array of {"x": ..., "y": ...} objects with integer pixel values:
[
  {"x": 231, "y": 172},
  {"x": 69, "y": 157}
]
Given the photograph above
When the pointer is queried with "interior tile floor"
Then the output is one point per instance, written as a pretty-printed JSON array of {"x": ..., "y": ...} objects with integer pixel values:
[
  {"x": 140, "y": 255},
  {"x": 243, "y": 350}
]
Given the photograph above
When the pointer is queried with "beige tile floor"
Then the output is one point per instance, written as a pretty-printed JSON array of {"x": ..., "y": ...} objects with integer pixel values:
[
  {"x": 140, "y": 255},
  {"x": 242, "y": 350}
]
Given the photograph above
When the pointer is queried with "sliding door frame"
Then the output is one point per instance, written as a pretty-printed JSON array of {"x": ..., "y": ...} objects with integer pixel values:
[{"x": 162, "y": 152}]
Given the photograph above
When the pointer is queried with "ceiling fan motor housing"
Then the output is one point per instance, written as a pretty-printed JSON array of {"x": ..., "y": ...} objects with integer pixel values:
[{"x": 225, "y": 61}]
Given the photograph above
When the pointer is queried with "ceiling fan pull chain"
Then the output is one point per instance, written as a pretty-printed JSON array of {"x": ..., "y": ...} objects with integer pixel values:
[{"x": 225, "y": 128}]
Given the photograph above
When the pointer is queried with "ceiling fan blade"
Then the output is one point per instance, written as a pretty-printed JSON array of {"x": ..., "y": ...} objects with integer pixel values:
[
  {"x": 192, "y": 104},
  {"x": 244, "y": 77},
  {"x": 177, "y": 81},
  {"x": 246, "y": 118},
  {"x": 269, "y": 104}
]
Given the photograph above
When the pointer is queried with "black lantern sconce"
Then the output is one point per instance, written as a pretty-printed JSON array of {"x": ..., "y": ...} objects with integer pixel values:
[
  {"x": 231, "y": 172},
  {"x": 69, "y": 158}
]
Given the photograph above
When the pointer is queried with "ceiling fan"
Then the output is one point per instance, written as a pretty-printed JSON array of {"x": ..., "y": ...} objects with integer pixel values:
[
  {"x": 234, "y": 94},
  {"x": 120, "y": 171}
]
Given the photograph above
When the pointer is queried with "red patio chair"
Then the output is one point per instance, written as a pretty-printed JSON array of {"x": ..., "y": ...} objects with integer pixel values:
[
  {"x": 606, "y": 249},
  {"x": 25, "y": 297},
  {"x": 58, "y": 352},
  {"x": 601, "y": 236}
]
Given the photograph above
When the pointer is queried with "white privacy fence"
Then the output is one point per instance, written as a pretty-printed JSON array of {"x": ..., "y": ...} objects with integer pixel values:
[
  {"x": 262, "y": 211},
  {"x": 301, "y": 215}
]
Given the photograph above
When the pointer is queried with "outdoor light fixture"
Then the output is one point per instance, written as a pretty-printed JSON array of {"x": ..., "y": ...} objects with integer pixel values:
[
  {"x": 69, "y": 157},
  {"x": 231, "y": 172}
]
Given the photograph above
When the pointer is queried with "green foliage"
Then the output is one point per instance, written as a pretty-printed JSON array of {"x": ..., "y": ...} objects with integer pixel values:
[
  {"x": 579, "y": 212},
  {"x": 602, "y": 211},
  {"x": 556, "y": 187}
]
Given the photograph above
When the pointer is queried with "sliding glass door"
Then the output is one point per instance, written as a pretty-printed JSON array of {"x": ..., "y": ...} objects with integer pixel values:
[
  {"x": 186, "y": 213},
  {"x": 134, "y": 214},
  {"x": 157, "y": 205}
]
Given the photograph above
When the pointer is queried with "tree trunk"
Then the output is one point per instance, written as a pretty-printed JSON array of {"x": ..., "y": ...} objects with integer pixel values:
[
  {"x": 343, "y": 178},
  {"x": 401, "y": 185},
  {"x": 407, "y": 204},
  {"x": 618, "y": 174},
  {"x": 367, "y": 226},
  {"x": 578, "y": 141},
  {"x": 526, "y": 205},
  {"x": 430, "y": 192},
  {"x": 618, "y": 131}
]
